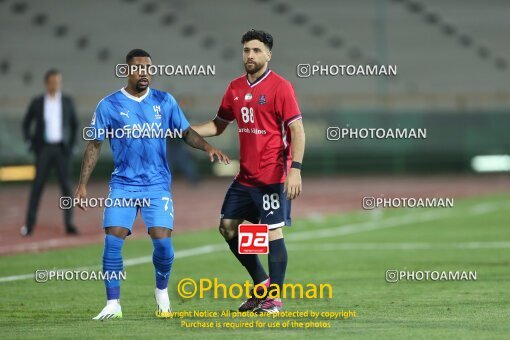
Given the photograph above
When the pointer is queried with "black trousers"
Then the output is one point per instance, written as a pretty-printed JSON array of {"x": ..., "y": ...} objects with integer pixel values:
[{"x": 49, "y": 156}]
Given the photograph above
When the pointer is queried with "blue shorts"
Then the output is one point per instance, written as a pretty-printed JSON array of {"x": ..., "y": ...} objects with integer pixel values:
[
  {"x": 156, "y": 207},
  {"x": 267, "y": 204}
]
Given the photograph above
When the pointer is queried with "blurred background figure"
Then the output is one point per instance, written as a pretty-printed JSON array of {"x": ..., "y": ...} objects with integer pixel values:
[
  {"x": 180, "y": 159},
  {"x": 49, "y": 129}
]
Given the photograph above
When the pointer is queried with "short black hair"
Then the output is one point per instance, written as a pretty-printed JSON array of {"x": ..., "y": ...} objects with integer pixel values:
[
  {"x": 137, "y": 52},
  {"x": 49, "y": 73},
  {"x": 259, "y": 35}
]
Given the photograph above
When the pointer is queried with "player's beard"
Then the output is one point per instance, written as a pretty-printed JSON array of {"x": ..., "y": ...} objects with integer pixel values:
[
  {"x": 141, "y": 88},
  {"x": 255, "y": 69}
]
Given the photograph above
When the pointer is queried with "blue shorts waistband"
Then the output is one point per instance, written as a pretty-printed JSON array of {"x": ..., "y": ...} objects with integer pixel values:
[{"x": 152, "y": 187}]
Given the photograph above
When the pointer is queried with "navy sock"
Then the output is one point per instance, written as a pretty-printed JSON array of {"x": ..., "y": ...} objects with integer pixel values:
[
  {"x": 277, "y": 260},
  {"x": 250, "y": 261},
  {"x": 162, "y": 258},
  {"x": 112, "y": 265}
]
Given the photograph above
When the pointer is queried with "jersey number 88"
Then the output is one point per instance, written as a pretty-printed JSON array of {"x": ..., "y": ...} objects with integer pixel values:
[
  {"x": 271, "y": 201},
  {"x": 247, "y": 115}
]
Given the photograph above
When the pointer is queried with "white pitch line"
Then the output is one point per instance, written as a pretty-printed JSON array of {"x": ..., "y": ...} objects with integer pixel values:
[
  {"x": 398, "y": 246},
  {"x": 51, "y": 243},
  {"x": 17, "y": 277},
  {"x": 359, "y": 227},
  {"x": 306, "y": 235},
  {"x": 131, "y": 262},
  {"x": 390, "y": 222}
]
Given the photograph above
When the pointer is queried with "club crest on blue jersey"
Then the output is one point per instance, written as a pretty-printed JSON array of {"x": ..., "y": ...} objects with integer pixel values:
[
  {"x": 157, "y": 110},
  {"x": 262, "y": 99}
]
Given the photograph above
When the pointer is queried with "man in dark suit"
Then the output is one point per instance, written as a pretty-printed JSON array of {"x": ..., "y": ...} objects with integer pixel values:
[{"x": 49, "y": 129}]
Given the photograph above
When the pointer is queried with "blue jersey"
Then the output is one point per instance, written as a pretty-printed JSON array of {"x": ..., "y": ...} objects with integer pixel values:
[{"x": 136, "y": 128}]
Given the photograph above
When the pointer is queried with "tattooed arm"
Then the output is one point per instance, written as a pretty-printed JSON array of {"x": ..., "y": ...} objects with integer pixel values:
[
  {"x": 89, "y": 162},
  {"x": 193, "y": 139}
]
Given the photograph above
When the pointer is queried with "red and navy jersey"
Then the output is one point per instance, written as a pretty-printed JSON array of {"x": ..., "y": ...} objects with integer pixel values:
[{"x": 263, "y": 110}]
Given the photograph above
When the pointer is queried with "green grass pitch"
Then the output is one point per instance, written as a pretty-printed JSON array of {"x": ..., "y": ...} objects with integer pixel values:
[{"x": 350, "y": 251}]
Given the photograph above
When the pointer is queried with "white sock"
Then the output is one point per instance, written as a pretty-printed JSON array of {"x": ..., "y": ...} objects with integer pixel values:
[
  {"x": 112, "y": 302},
  {"x": 162, "y": 291},
  {"x": 162, "y": 298}
]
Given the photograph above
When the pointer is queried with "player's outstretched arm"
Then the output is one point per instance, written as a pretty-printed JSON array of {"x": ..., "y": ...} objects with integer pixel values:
[
  {"x": 293, "y": 184},
  {"x": 193, "y": 139},
  {"x": 90, "y": 158},
  {"x": 211, "y": 128}
]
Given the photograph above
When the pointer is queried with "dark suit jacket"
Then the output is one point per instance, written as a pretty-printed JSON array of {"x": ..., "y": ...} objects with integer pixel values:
[{"x": 35, "y": 115}]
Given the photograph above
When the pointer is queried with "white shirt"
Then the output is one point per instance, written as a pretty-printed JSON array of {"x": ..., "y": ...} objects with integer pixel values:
[{"x": 53, "y": 118}]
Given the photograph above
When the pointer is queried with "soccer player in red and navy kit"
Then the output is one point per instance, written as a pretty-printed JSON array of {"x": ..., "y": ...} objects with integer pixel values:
[{"x": 272, "y": 141}]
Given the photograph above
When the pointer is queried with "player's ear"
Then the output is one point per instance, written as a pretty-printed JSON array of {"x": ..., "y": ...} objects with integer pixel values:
[{"x": 268, "y": 55}]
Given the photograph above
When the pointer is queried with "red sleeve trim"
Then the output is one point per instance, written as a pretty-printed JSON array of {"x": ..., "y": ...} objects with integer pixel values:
[
  {"x": 223, "y": 119},
  {"x": 293, "y": 119}
]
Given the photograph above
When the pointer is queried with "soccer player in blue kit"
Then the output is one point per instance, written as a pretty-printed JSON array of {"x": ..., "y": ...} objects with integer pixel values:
[{"x": 141, "y": 172}]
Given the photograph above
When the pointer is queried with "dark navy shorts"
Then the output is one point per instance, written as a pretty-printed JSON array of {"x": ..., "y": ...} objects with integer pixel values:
[{"x": 267, "y": 204}]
